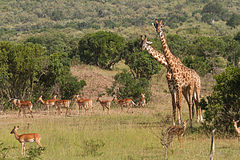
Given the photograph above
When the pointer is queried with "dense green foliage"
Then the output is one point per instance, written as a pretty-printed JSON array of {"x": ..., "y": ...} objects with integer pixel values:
[
  {"x": 25, "y": 17},
  {"x": 126, "y": 86},
  {"x": 103, "y": 49},
  {"x": 141, "y": 64},
  {"x": 224, "y": 103},
  {"x": 27, "y": 71}
]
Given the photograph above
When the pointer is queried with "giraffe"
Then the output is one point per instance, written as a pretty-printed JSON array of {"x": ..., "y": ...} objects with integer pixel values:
[
  {"x": 185, "y": 80},
  {"x": 161, "y": 59}
]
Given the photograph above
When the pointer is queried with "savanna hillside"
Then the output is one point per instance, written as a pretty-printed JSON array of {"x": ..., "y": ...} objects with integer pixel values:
[{"x": 92, "y": 47}]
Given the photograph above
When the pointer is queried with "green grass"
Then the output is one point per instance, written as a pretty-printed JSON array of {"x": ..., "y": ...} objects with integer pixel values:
[{"x": 122, "y": 135}]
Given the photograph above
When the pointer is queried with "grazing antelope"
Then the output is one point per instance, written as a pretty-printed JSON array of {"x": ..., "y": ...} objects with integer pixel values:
[
  {"x": 62, "y": 103},
  {"x": 124, "y": 102},
  {"x": 47, "y": 103},
  {"x": 236, "y": 127},
  {"x": 142, "y": 101},
  {"x": 177, "y": 131},
  {"x": 22, "y": 105},
  {"x": 30, "y": 137},
  {"x": 105, "y": 103},
  {"x": 85, "y": 103}
]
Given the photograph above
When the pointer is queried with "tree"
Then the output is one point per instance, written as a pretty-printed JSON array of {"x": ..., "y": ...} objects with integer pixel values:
[
  {"x": 69, "y": 86},
  {"x": 126, "y": 86},
  {"x": 224, "y": 103},
  {"x": 27, "y": 72},
  {"x": 141, "y": 64},
  {"x": 103, "y": 49},
  {"x": 237, "y": 37},
  {"x": 21, "y": 66},
  {"x": 213, "y": 11},
  {"x": 234, "y": 20}
]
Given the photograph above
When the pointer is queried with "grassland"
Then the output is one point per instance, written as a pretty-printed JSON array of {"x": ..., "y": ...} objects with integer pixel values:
[{"x": 118, "y": 135}]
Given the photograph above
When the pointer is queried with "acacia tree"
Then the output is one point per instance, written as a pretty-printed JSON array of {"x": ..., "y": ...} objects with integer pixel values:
[{"x": 103, "y": 49}]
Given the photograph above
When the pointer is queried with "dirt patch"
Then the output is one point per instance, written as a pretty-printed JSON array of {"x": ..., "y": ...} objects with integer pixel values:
[{"x": 96, "y": 80}]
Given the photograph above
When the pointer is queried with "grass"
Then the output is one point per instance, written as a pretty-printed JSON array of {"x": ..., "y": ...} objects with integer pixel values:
[{"x": 119, "y": 135}]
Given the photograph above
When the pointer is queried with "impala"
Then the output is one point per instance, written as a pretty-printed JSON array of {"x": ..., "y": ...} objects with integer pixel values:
[
  {"x": 142, "y": 101},
  {"x": 105, "y": 103},
  {"x": 124, "y": 102},
  {"x": 47, "y": 103},
  {"x": 30, "y": 137},
  {"x": 236, "y": 127},
  {"x": 177, "y": 131},
  {"x": 85, "y": 103},
  {"x": 22, "y": 105},
  {"x": 62, "y": 103}
]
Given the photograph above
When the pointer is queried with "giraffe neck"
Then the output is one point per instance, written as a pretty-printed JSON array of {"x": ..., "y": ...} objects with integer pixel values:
[
  {"x": 170, "y": 58},
  {"x": 157, "y": 55}
]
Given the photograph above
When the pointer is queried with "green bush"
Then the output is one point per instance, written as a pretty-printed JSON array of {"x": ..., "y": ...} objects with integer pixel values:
[
  {"x": 141, "y": 64},
  {"x": 103, "y": 49},
  {"x": 126, "y": 86},
  {"x": 224, "y": 103},
  {"x": 92, "y": 147},
  {"x": 234, "y": 20}
]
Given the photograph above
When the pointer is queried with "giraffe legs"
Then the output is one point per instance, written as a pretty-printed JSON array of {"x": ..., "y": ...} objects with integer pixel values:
[
  {"x": 190, "y": 104},
  {"x": 174, "y": 106},
  {"x": 173, "y": 95},
  {"x": 179, "y": 104}
]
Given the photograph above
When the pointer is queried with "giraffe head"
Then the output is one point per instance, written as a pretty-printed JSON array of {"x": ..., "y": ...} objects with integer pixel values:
[
  {"x": 144, "y": 43},
  {"x": 158, "y": 25}
]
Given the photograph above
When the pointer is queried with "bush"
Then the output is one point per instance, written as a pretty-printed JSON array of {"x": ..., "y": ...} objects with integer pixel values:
[
  {"x": 224, "y": 102},
  {"x": 126, "y": 86},
  {"x": 103, "y": 49},
  {"x": 92, "y": 147},
  {"x": 141, "y": 64},
  {"x": 234, "y": 20}
]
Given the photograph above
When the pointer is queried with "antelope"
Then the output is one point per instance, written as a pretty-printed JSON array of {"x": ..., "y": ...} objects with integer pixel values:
[
  {"x": 85, "y": 103},
  {"x": 21, "y": 105},
  {"x": 236, "y": 127},
  {"x": 177, "y": 131},
  {"x": 47, "y": 103},
  {"x": 142, "y": 101},
  {"x": 59, "y": 103},
  {"x": 104, "y": 103},
  {"x": 124, "y": 102},
  {"x": 30, "y": 137}
]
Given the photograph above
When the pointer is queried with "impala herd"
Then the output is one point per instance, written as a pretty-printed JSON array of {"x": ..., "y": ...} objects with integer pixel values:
[{"x": 83, "y": 103}]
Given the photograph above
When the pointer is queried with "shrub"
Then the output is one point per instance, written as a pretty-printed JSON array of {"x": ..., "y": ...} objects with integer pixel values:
[
  {"x": 224, "y": 103},
  {"x": 126, "y": 86},
  {"x": 92, "y": 147}
]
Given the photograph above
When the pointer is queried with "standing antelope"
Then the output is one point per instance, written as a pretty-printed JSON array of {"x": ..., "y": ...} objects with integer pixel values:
[
  {"x": 30, "y": 137},
  {"x": 85, "y": 103},
  {"x": 105, "y": 103},
  {"x": 59, "y": 103},
  {"x": 236, "y": 127},
  {"x": 47, "y": 103},
  {"x": 177, "y": 131},
  {"x": 124, "y": 102},
  {"x": 142, "y": 101},
  {"x": 22, "y": 105}
]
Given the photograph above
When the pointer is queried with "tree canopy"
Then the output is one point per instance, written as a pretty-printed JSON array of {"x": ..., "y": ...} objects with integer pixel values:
[{"x": 103, "y": 49}]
